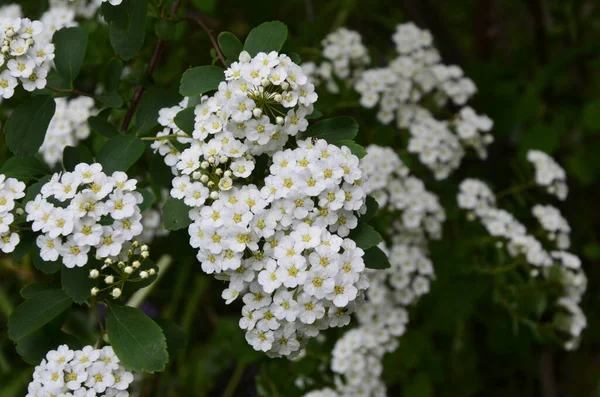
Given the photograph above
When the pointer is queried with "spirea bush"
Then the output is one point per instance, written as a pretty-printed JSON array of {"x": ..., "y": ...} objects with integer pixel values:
[{"x": 305, "y": 198}]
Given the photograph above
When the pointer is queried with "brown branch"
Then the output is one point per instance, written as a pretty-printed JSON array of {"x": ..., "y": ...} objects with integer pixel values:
[
  {"x": 139, "y": 92},
  {"x": 195, "y": 17},
  {"x": 547, "y": 378},
  {"x": 70, "y": 91}
]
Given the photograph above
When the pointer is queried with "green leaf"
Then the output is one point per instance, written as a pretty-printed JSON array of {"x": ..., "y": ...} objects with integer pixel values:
[
  {"x": 115, "y": 15},
  {"x": 35, "y": 288},
  {"x": 154, "y": 100},
  {"x": 314, "y": 115},
  {"x": 137, "y": 340},
  {"x": 23, "y": 168},
  {"x": 372, "y": 207},
  {"x": 185, "y": 120},
  {"x": 149, "y": 199},
  {"x": 26, "y": 127},
  {"x": 266, "y": 37},
  {"x": 75, "y": 155},
  {"x": 120, "y": 152},
  {"x": 33, "y": 348},
  {"x": 36, "y": 312},
  {"x": 128, "y": 38},
  {"x": 70, "y": 45},
  {"x": 230, "y": 45},
  {"x": 25, "y": 245},
  {"x": 111, "y": 99},
  {"x": 102, "y": 126},
  {"x": 201, "y": 79},
  {"x": 365, "y": 236},
  {"x": 165, "y": 30},
  {"x": 77, "y": 283},
  {"x": 375, "y": 258},
  {"x": 334, "y": 130},
  {"x": 112, "y": 75},
  {"x": 354, "y": 147},
  {"x": 45, "y": 266},
  {"x": 175, "y": 214},
  {"x": 176, "y": 338}
]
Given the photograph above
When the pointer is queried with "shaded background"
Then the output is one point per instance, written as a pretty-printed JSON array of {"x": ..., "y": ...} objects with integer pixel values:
[{"x": 535, "y": 63}]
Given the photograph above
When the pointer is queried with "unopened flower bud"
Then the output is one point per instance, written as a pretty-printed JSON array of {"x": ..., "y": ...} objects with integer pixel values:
[
  {"x": 145, "y": 254},
  {"x": 285, "y": 85},
  {"x": 108, "y": 262},
  {"x": 19, "y": 211},
  {"x": 10, "y": 32},
  {"x": 116, "y": 293},
  {"x": 152, "y": 272},
  {"x": 144, "y": 274},
  {"x": 223, "y": 159},
  {"x": 471, "y": 216},
  {"x": 109, "y": 280},
  {"x": 29, "y": 41},
  {"x": 210, "y": 184},
  {"x": 214, "y": 195},
  {"x": 204, "y": 165},
  {"x": 278, "y": 98},
  {"x": 227, "y": 174},
  {"x": 219, "y": 171},
  {"x": 144, "y": 247},
  {"x": 244, "y": 57},
  {"x": 279, "y": 120},
  {"x": 265, "y": 82},
  {"x": 94, "y": 273},
  {"x": 196, "y": 175},
  {"x": 257, "y": 112},
  {"x": 136, "y": 264},
  {"x": 128, "y": 270},
  {"x": 121, "y": 264},
  {"x": 94, "y": 291},
  {"x": 204, "y": 178},
  {"x": 212, "y": 159},
  {"x": 135, "y": 244}
]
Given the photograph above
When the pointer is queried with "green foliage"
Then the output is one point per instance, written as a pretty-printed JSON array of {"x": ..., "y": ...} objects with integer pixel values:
[
  {"x": 201, "y": 79},
  {"x": 137, "y": 340},
  {"x": 266, "y": 37},
  {"x": 102, "y": 126},
  {"x": 154, "y": 100},
  {"x": 70, "y": 45},
  {"x": 185, "y": 120},
  {"x": 337, "y": 131},
  {"x": 77, "y": 283},
  {"x": 26, "y": 127},
  {"x": 120, "y": 152},
  {"x": 23, "y": 168},
  {"x": 375, "y": 258},
  {"x": 175, "y": 214},
  {"x": 127, "y": 23},
  {"x": 365, "y": 236},
  {"x": 230, "y": 45},
  {"x": 75, "y": 155}
]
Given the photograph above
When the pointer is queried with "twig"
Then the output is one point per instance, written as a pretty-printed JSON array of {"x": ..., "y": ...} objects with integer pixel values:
[
  {"x": 195, "y": 17},
  {"x": 70, "y": 91},
  {"x": 547, "y": 378},
  {"x": 139, "y": 92},
  {"x": 234, "y": 380}
]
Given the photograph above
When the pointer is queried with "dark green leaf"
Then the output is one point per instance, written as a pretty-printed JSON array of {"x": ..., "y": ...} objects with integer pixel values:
[
  {"x": 23, "y": 168},
  {"x": 127, "y": 40},
  {"x": 35, "y": 288},
  {"x": 35, "y": 189},
  {"x": 354, "y": 147},
  {"x": 120, "y": 152},
  {"x": 26, "y": 127},
  {"x": 365, "y": 236},
  {"x": 34, "y": 347},
  {"x": 44, "y": 266},
  {"x": 75, "y": 155},
  {"x": 314, "y": 115},
  {"x": 25, "y": 245},
  {"x": 185, "y": 120},
  {"x": 116, "y": 15},
  {"x": 154, "y": 100},
  {"x": 266, "y": 37},
  {"x": 149, "y": 199},
  {"x": 201, "y": 79},
  {"x": 137, "y": 340},
  {"x": 112, "y": 75},
  {"x": 36, "y": 312},
  {"x": 111, "y": 99},
  {"x": 176, "y": 338},
  {"x": 70, "y": 45},
  {"x": 230, "y": 45},
  {"x": 76, "y": 282},
  {"x": 175, "y": 214},
  {"x": 165, "y": 30},
  {"x": 102, "y": 126},
  {"x": 375, "y": 258},
  {"x": 372, "y": 207},
  {"x": 334, "y": 130}
]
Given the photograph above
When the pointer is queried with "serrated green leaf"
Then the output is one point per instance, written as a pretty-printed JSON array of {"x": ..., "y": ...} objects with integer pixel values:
[
  {"x": 70, "y": 46},
  {"x": 201, "y": 79},
  {"x": 365, "y": 236},
  {"x": 26, "y": 127},
  {"x": 75, "y": 155},
  {"x": 120, "y": 152},
  {"x": 175, "y": 214},
  {"x": 36, "y": 312},
  {"x": 230, "y": 45},
  {"x": 23, "y": 168},
  {"x": 375, "y": 258},
  {"x": 185, "y": 120},
  {"x": 354, "y": 147},
  {"x": 266, "y": 37},
  {"x": 334, "y": 130},
  {"x": 137, "y": 340},
  {"x": 154, "y": 100},
  {"x": 77, "y": 283},
  {"x": 102, "y": 126},
  {"x": 127, "y": 40}
]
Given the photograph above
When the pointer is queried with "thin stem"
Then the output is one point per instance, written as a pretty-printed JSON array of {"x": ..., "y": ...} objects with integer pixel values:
[
  {"x": 139, "y": 92},
  {"x": 163, "y": 138},
  {"x": 497, "y": 269},
  {"x": 234, "y": 380},
  {"x": 70, "y": 91},
  {"x": 515, "y": 189},
  {"x": 195, "y": 17},
  {"x": 347, "y": 105}
]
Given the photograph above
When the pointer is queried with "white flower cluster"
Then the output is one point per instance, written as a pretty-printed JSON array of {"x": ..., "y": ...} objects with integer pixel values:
[
  {"x": 25, "y": 54},
  {"x": 83, "y": 8},
  {"x": 473, "y": 130},
  {"x": 55, "y": 19},
  {"x": 281, "y": 245},
  {"x": 389, "y": 182},
  {"x": 68, "y": 126},
  {"x": 549, "y": 174},
  {"x": 476, "y": 197},
  {"x": 345, "y": 55},
  {"x": 10, "y": 190},
  {"x": 85, "y": 209},
  {"x": 80, "y": 373},
  {"x": 553, "y": 222}
]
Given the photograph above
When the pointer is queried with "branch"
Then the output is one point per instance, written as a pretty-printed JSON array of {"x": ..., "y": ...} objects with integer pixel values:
[
  {"x": 549, "y": 387},
  {"x": 195, "y": 17},
  {"x": 139, "y": 92},
  {"x": 70, "y": 91}
]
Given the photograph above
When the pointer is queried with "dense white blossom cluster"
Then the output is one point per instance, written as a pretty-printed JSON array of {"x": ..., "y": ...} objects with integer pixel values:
[
  {"x": 549, "y": 173},
  {"x": 10, "y": 190},
  {"x": 80, "y": 373},
  {"x": 345, "y": 56},
  {"x": 476, "y": 197},
  {"x": 67, "y": 128},
  {"x": 25, "y": 54},
  {"x": 277, "y": 235},
  {"x": 83, "y": 210},
  {"x": 83, "y": 8}
]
